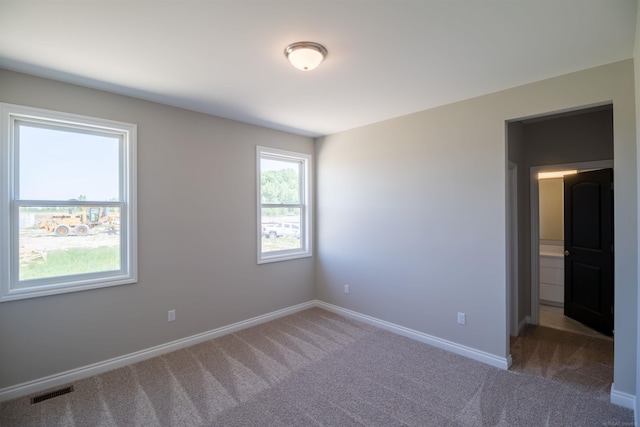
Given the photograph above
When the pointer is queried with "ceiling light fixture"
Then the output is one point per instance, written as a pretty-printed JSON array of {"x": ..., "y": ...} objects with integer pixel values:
[{"x": 305, "y": 56}]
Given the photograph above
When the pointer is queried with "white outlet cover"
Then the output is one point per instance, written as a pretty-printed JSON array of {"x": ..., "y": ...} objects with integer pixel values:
[{"x": 461, "y": 318}]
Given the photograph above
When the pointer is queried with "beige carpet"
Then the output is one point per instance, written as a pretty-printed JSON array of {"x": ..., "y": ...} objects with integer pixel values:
[
  {"x": 316, "y": 368},
  {"x": 581, "y": 361}
]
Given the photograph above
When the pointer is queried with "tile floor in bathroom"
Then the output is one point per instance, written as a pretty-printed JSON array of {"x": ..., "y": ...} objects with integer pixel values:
[{"x": 553, "y": 317}]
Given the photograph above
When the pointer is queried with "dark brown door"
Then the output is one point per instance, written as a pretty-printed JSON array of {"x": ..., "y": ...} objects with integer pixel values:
[{"x": 588, "y": 243}]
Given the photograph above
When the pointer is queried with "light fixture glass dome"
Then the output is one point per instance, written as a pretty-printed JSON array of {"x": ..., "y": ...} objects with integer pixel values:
[{"x": 305, "y": 56}]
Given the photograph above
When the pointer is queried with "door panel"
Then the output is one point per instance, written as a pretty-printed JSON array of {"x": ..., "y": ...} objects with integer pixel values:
[
  {"x": 589, "y": 279},
  {"x": 585, "y": 204},
  {"x": 588, "y": 228}
]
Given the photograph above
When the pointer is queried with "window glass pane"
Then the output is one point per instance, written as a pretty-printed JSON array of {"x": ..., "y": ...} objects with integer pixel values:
[
  {"x": 68, "y": 240},
  {"x": 61, "y": 164},
  {"x": 284, "y": 211},
  {"x": 280, "y": 229},
  {"x": 83, "y": 234},
  {"x": 280, "y": 181}
]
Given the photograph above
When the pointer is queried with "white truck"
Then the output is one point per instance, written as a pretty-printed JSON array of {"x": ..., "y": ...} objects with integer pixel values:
[{"x": 280, "y": 229}]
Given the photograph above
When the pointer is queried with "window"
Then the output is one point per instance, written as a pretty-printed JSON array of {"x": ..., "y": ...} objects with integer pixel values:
[
  {"x": 284, "y": 205},
  {"x": 67, "y": 203}
]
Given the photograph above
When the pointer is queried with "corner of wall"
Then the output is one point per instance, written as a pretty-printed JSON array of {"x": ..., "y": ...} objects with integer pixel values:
[{"x": 636, "y": 71}]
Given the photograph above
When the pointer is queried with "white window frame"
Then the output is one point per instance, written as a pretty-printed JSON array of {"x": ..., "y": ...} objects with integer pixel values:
[
  {"x": 10, "y": 115},
  {"x": 305, "y": 205}
]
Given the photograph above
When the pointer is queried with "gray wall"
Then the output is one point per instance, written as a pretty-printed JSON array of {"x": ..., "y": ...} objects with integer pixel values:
[
  {"x": 516, "y": 154},
  {"x": 411, "y": 212},
  {"x": 579, "y": 137},
  {"x": 197, "y": 240}
]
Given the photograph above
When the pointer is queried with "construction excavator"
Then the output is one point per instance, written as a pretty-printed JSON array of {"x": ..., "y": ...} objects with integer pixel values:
[{"x": 81, "y": 224}]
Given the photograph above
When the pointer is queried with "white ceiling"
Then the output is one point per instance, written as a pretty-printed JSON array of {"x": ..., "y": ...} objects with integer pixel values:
[{"x": 387, "y": 58}]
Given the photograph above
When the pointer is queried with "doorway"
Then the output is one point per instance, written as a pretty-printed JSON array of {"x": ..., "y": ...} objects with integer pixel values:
[
  {"x": 541, "y": 299},
  {"x": 581, "y": 138}
]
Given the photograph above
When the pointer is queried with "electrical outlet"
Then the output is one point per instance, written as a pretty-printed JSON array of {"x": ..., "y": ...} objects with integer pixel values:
[
  {"x": 462, "y": 318},
  {"x": 171, "y": 315},
  {"x": 346, "y": 289}
]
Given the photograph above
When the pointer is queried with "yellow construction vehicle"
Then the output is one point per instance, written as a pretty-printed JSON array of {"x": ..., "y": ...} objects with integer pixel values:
[{"x": 80, "y": 224}]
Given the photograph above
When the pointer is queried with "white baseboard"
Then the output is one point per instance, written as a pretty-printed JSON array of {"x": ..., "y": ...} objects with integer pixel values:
[
  {"x": 625, "y": 400},
  {"x": 472, "y": 353},
  {"x": 619, "y": 398},
  {"x": 138, "y": 356}
]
